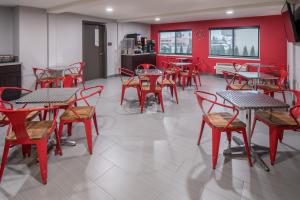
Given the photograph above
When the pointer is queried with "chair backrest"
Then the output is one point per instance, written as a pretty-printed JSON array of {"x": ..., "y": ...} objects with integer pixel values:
[
  {"x": 17, "y": 119},
  {"x": 295, "y": 110},
  {"x": 191, "y": 69},
  {"x": 209, "y": 98},
  {"x": 229, "y": 80},
  {"x": 152, "y": 81},
  {"x": 75, "y": 68},
  {"x": 283, "y": 78},
  {"x": 20, "y": 91},
  {"x": 146, "y": 66},
  {"x": 40, "y": 72},
  {"x": 86, "y": 93}
]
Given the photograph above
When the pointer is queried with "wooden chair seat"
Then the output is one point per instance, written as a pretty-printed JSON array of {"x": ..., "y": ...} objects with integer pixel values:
[
  {"x": 132, "y": 83},
  {"x": 166, "y": 82},
  {"x": 170, "y": 71},
  {"x": 237, "y": 86},
  {"x": 31, "y": 116},
  {"x": 220, "y": 120},
  {"x": 36, "y": 130},
  {"x": 147, "y": 88},
  {"x": 83, "y": 112},
  {"x": 276, "y": 118},
  {"x": 268, "y": 87}
]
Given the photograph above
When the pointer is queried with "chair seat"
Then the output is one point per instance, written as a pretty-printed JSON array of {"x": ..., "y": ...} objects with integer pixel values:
[
  {"x": 237, "y": 86},
  {"x": 83, "y": 112},
  {"x": 186, "y": 73},
  {"x": 131, "y": 83},
  {"x": 170, "y": 71},
  {"x": 269, "y": 87},
  {"x": 166, "y": 82},
  {"x": 276, "y": 118},
  {"x": 220, "y": 120},
  {"x": 35, "y": 129},
  {"x": 30, "y": 116},
  {"x": 147, "y": 88}
]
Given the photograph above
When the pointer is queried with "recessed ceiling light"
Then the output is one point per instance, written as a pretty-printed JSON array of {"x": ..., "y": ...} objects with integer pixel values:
[
  {"x": 109, "y": 9},
  {"x": 229, "y": 12},
  {"x": 157, "y": 19}
]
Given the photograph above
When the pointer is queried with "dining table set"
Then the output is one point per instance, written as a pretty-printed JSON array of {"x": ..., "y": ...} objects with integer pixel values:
[{"x": 251, "y": 100}]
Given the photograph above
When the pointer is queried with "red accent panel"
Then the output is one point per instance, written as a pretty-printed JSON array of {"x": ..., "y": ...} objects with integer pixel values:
[{"x": 273, "y": 43}]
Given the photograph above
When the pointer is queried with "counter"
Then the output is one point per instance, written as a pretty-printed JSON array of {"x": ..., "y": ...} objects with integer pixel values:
[{"x": 131, "y": 61}]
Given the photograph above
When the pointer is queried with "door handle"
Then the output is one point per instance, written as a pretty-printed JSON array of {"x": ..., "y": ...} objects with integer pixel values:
[{"x": 100, "y": 54}]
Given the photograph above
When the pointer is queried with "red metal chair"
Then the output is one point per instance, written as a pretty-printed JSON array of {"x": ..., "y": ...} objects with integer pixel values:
[
  {"x": 278, "y": 122},
  {"x": 231, "y": 85},
  {"x": 128, "y": 81},
  {"x": 197, "y": 71},
  {"x": 169, "y": 83},
  {"x": 29, "y": 133},
  {"x": 43, "y": 78},
  {"x": 76, "y": 71},
  {"x": 82, "y": 114},
  {"x": 171, "y": 72},
  {"x": 3, "y": 119},
  {"x": 67, "y": 82},
  {"x": 220, "y": 122},
  {"x": 152, "y": 86},
  {"x": 272, "y": 88},
  {"x": 186, "y": 76}
]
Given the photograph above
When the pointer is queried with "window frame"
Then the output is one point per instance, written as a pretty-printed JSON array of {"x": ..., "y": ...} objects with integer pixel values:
[
  {"x": 175, "y": 31},
  {"x": 233, "y": 41}
]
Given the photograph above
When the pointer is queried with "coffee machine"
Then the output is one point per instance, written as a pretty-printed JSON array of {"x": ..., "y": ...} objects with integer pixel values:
[{"x": 151, "y": 46}]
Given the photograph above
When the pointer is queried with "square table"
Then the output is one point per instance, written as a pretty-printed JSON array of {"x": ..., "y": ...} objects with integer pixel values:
[
  {"x": 256, "y": 77},
  {"x": 48, "y": 95},
  {"x": 250, "y": 100},
  {"x": 181, "y": 64},
  {"x": 143, "y": 72}
]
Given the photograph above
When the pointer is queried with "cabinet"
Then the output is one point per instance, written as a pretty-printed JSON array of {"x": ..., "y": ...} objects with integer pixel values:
[
  {"x": 132, "y": 61},
  {"x": 10, "y": 75}
]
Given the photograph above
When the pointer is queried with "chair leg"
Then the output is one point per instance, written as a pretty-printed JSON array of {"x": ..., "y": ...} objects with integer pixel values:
[
  {"x": 139, "y": 94},
  {"x": 61, "y": 128},
  {"x": 247, "y": 149},
  {"x": 171, "y": 90},
  {"x": 122, "y": 95},
  {"x": 216, "y": 135},
  {"x": 58, "y": 147},
  {"x": 201, "y": 131},
  {"x": 283, "y": 96},
  {"x": 175, "y": 91},
  {"x": 4, "y": 158},
  {"x": 253, "y": 127},
  {"x": 195, "y": 80},
  {"x": 42, "y": 155},
  {"x": 95, "y": 123},
  {"x": 88, "y": 132},
  {"x": 229, "y": 136},
  {"x": 183, "y": 82},
  {"x": 45, "y": 115},
  {"x": 273, "y": 140},
  {"x": 142, "y": 102},
  {"x": 199, "y": 79},
  {"x": 161, "y": 101},
  {"x": 69, "y": 129}
]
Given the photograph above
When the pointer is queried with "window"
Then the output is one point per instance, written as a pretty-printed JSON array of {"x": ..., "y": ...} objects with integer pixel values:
[
  {"x": 235, "y": 42},
  {"x": 176, "y": 42}
]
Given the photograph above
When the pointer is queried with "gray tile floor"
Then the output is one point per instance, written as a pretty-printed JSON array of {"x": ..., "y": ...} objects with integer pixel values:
[{"x": 152, "y": 156}]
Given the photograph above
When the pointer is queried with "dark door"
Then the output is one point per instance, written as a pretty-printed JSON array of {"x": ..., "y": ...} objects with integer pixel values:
[{"x": 94, "y": 53}]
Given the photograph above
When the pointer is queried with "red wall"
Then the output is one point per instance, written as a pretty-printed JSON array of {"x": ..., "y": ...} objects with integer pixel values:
[{"x": 273, "y": 44}]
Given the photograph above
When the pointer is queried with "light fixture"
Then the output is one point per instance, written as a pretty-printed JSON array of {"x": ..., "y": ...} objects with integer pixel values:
[
  {"x": 157, "y": 19},
  {"x": 229, "y": 12},
  {"x": 109, "y": 9}
]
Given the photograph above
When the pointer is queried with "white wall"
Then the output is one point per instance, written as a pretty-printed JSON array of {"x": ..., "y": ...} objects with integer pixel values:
[
  {"x": 56, "y": 39},
  {"x": 65, "y": 40},
  {"x": 6, "y": 30},
  {"x": 128, "y": 28}
]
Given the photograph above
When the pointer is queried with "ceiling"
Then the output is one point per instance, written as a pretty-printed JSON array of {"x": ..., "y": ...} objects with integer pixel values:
[{"x": 145, "y": 11}]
